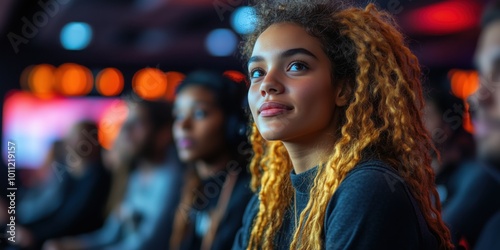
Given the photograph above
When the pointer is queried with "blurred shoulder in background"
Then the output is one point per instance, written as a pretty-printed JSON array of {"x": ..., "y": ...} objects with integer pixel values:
[{"x": 210, "y": 135}]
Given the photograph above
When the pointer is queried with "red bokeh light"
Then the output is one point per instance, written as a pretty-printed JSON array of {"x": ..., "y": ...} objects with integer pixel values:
[{"x": 443, "y": 18}]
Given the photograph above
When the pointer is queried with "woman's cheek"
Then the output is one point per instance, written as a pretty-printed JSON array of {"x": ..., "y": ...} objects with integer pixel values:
[{"x": 253, "y": 97}]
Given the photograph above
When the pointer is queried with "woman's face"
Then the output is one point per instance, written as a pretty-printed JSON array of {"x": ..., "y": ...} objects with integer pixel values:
[
  {"x": 199, "y": 125},
  {"x": 291, "y": 96}
]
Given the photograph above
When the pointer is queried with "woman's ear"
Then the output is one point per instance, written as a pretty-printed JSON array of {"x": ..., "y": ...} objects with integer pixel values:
[{"x": 343, "y": 93}]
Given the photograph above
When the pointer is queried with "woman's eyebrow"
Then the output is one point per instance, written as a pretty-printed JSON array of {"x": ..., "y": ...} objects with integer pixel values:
[
  {"x": 292, "y": 52},
  {"x": 255, "y": 59},
  {"x": 284, "y": 54}
]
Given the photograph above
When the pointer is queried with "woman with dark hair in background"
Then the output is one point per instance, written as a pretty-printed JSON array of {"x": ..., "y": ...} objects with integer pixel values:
[{"x": 209, "y": 131}]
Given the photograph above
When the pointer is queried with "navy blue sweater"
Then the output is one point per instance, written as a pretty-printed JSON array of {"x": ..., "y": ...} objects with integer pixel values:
[{"x": 371, "y": 209}]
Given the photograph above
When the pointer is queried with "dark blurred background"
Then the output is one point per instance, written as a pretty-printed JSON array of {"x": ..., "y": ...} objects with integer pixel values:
[
  {"x": 44, "y": 43},
  {"x": 67, "y": 62},
  {"x": 132, "y": 33}
]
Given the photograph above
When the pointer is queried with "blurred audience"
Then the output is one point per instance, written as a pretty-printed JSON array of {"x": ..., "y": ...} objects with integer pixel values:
[
  {"x": 143, "y": 218},
  {"x": 473, "y": 212},
  {"x": 488, "y": 120},
  {"x": 209, "y": 131},
  {"x": 71, "y": 200},
  {"x": 443, "y": 119}
]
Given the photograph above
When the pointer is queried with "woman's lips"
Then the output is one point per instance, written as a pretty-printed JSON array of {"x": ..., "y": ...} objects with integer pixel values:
[
  {"x": 269, "y": 109},
  {"x": 184, "y": 143}
]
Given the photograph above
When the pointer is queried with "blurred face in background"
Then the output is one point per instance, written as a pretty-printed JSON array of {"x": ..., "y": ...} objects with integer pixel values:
[
  {"x": 485, "y": 103},
  {"x": 198, "y": 125},
  {"x": 137, "y": 131},
  {"x": 74, "y": 137},
  {"x": 120, "y": 154},
  {"x": 82, "y": 140}
]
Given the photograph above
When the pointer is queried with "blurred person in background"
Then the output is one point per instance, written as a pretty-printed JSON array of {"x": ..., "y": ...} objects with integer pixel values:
[
  {"x": 143, "y": 218},
  {"x": 209, "y": 131},
  {"x": 473, "y": 213},
  {"x": 118, "y": 160},
  {"x": 443, "y": 119},
  {"x": 72, "y": 201},
  {"x": 43, "y": 174},
  {"x": 487, "y": 119},
  {"x": 44, "y": 184}
]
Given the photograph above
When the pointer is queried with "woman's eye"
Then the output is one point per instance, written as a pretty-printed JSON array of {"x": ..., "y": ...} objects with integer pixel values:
[
  {"x": 297, "y": 66},
  {"x": 256, "y": 73},
  {"x": 199, "y": 114}
]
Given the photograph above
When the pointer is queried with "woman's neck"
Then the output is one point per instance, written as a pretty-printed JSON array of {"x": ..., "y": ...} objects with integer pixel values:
[
  {"x": 308, "y": 153},
  {"x": 211, "y": 167}
]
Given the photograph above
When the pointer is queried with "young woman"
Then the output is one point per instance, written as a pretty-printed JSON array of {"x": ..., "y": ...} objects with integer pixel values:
[
  {"x": 209, "y": 132},
  {"x": 341, "y": 153}
]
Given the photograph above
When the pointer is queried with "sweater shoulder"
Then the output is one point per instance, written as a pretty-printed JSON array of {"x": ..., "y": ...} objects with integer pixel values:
[
  {"x": 371, "y": 181},
  {"x": 373, "y": 207}
]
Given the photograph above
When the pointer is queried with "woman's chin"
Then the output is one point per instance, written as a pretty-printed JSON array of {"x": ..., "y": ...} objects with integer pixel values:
[
  {"x": 270, "y": 135},
  {"x": 186, "y": 156}
]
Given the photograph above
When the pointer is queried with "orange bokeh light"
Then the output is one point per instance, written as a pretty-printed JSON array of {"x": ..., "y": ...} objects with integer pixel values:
[
  {"x": 109, "y": 82},
  {"x": 468, "y": 126},
  {"x": 463, "y": 82},
  {"x": 23, "y": 80},
  {"x": 111, "y": 123},
  {"x": 150, "y": 83},
  {"x": 40, "y": 79},
  {"x": 73, "y": 79},
  {"x": 174, "y": 78}
]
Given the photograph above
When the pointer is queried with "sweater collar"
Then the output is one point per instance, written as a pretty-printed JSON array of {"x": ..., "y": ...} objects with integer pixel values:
[{"x": 303, "y": 182}]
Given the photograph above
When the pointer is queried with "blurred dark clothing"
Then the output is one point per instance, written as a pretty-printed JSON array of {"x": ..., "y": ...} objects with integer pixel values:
[
  {"x": 231, "y": 221},
  {"x": 489, "y": 238},
  {"x": 68, "y": 204},
  {"x": 459, "y": 148},
  {"x": 144, "y": 218},
  {"x": 473, "y": 200}
]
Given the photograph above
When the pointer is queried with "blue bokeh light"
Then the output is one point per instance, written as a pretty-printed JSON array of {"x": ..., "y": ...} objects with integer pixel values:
[
  {"x": 76, "y": 35},
  {"x": 244, "y": 20},
  {"x": 221, "y": 42}
]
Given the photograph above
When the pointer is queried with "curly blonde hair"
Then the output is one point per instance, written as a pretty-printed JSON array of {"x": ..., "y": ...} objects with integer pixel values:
[{"x": 383, "y": 119}]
